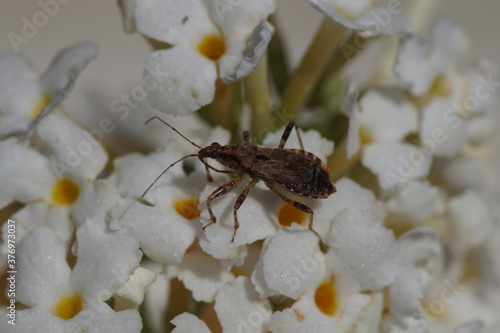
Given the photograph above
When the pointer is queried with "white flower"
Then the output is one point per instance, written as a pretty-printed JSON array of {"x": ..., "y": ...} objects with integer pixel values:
[
  {"x": 365, "y": 16},
  {"x": 24, "y": 93},
  {"x": 58, "y": 191},
  {"x": 61, "y": 299},
  {"x": 225, "y": 39}
]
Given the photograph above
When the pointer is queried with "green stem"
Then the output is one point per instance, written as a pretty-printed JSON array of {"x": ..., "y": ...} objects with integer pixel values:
[
  {"x": 299, "y": 88},
  {"x": 338, "y": 163},
  {"x": 258, "y": 96}
]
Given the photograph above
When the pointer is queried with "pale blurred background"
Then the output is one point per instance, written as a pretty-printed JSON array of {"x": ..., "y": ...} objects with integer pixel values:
[{"x": 121, "y": 56}]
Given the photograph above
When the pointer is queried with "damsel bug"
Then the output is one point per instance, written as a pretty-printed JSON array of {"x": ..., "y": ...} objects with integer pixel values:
[{"x": 295, "y": 170}]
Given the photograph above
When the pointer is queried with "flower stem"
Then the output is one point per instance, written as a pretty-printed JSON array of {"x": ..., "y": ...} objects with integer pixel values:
[
  {"x": 296, "y": 93},
  {"x": 258, "y": 96},
  {"x": 338, "y": 163}
]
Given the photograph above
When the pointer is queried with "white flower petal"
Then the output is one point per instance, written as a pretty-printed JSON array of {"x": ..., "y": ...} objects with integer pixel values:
[
  {"x": 303, "y": 317},
  {"x": 362, "y": 251},
  {"x": 292, "y": 262},
  {"x": 99, "y": 317},
  {"x": 202, "y": 274},
  {"x": 177, "y": 22},
  {"x": 396, "y": 164},
  {"x": 449, "y": 43},
  {"x": 40, "y": 317},
  {"x": 163, "y": 233},
  {"x": 471, "y": 219},
  {"x": 413, "y": 53},
  {"x": 442, "y": 131},
  {"x": 73, "y": 148},
  {"x": 20, "y": 92},
  {"x": 185, "y": 80},
  {"x": 418, "y": 246},
  {"x": 416, "y": 201},
  {"x": 231, "y": 70},
  {"x": 189, "y": 323},
  {"x": 24, "y": 173},
  {"x": 136, "y": 286},
  {"x": 134, "y": 173},
  {"x": 43, "y": 270},
  {"x": 387, "y": 117},
  {"x": 480, "y": 129},
  {"x": 363, "y": 21},
  {"x": 406, "y": 293},
  {"x": 472, "y": 326},
  {"x": 105, "y": 259},
  {"x": 71, "y": 60},
  {"x": 350, "y": 108},
  {"x": 239, "y": 309},
  {"x": 461, "y": 173}
]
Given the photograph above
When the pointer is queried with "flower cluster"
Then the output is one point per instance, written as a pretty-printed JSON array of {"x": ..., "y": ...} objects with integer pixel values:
[{"x": 153, "y": 241}]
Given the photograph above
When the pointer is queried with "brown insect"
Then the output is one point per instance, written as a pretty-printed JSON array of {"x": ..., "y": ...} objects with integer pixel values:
[{"x": 295, "y": 170}]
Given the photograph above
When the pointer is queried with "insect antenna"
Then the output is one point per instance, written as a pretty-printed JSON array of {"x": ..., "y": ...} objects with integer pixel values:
[
  {"x": 161, "y": 174},
  {"x": 176, "y": 131}
]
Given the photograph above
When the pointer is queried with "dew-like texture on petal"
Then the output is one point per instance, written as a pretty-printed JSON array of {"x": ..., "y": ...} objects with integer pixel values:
[
  {"x": 105, "y": 259},
  {"x": 177, "y": 22},
  {"x": 312, "y": 140},
  {"x": 136, "y": 286},
  {"x": 413, "y": 53},
  {"x": 97, "y": 197},
  {"x": 304, "y": 316},
  {"x": 239, "y": 309},
  {"x": 134, "y": 173},
  {"x": 442, "y": 131},
  {"x": 25, "y": 174},
  {"x": 406, "y": 293},
  {"x": 362, "y": 251},
  {"x": 43, "y": 270},
  {"x": 72, "y": 59},
  {"x": 189, "y": 323},
  {"x": 184, "y": 80},
  {"x": 72, "y": 146},
  {"x": 416, "y": 201},
  {"x": 163, "y": 233},
  {"x": 349, "y": 195},
  {"x": 256, "y": 49},
  {"x": 20, "y": 91},
  {"x": 37, "y": 319},
  {"x": 396, "y": 164},
  {"x": 202, "y": 274},
  {"x": 99, "y": 317},
  {"x": 417, "y": 246},
  {"x": 386, "y": 118},
  {"x": 256, "y": 219},
  {"x": 470, "y": 218},
  {"x": 293, "y": 262}
]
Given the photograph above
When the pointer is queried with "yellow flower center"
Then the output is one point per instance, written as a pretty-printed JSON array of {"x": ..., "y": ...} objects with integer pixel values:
[
  {"x": 65, "y": 192},
  {"x": 326, "y": 298},
  {"x": 39, "y": 106},
  {"x": 364, "y": 136},
  {"x": 441, "y": 87},
  {"x": 69, "y": 306},
  {"x": 289, "y": 214},
  {"x": 212, "y": 47},
  {"x": 187, "y": 208}
]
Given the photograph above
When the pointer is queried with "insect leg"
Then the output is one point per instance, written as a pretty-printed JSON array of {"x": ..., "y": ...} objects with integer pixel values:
[
  {"x": 239, "y": 202},
  {"x": 246, "y": 138},
  {"x": 296, "y": 204},
  {"x": 221, "y": 190},
  {"x": 208, "y": 166},
  {"x": 286, "y": 134}
]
